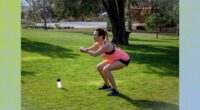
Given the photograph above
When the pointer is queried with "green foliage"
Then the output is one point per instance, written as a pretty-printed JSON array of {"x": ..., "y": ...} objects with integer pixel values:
[
  {"x": 175, "y": 12},
  {"x": 157, "y": 20},
  {"x": 76, "y": 8},
  {"x": 134, "y": 2},
  {"x": 36, "y": 10},
  {"x": 170, "y": 8},
  {"x": 153, "y": 20},
  {"x": 165, "y": 20}
]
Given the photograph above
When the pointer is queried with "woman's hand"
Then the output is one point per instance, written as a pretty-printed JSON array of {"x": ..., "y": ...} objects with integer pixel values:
[{"x": 83, "y": 49}]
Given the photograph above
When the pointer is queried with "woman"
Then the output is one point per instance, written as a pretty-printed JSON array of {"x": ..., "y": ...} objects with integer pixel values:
[{"x": 115, "y": 59}]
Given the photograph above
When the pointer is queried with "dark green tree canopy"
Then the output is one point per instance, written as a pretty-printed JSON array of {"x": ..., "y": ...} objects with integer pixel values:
[{"x": 76, "y": 8}]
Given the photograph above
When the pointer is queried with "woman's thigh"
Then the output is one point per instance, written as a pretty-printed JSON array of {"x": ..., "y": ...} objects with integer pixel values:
[
  {"x": 115, "y": 66},
  {"x": 102, "y": 64}
]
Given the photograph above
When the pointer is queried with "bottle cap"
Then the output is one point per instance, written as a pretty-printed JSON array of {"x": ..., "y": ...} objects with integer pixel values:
[{"x": 58, "y": 79}]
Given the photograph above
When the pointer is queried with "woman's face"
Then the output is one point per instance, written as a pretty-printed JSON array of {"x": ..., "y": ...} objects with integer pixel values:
[{"x": 96, "y": 37}]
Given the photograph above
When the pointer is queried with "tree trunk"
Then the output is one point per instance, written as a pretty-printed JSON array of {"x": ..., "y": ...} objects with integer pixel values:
[
  {"x": 156, "y": 32},
  {"x": 127, "y": 36},
  {"x": 45, "y": 18},
  {"x": 177, "y": 30},
  {"x": 115, "y": 10}
]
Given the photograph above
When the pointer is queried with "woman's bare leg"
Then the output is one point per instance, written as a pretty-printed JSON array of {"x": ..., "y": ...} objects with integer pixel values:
[
  {"x": 107, "y": 70},
  {"x": 100, "y": 67}
]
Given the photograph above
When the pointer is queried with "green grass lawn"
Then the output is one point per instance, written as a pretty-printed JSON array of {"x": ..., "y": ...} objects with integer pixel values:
[{"x": 150, "y": 82}]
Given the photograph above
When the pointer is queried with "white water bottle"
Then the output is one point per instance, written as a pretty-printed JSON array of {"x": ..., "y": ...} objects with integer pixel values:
[{"x": 59, "y": 85}]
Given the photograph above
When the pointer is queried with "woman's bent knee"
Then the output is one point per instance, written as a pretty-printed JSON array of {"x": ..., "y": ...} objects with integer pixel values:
[
  {"x": 99, "y": 67},
  {"x": 106, "y": 69}
]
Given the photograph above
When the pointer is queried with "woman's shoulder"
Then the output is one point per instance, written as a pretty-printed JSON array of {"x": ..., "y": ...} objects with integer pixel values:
[
  {"x": 107, "y": 43},
  {"x": 110, "y": 43},
  {"x": 96, "y": 43}
]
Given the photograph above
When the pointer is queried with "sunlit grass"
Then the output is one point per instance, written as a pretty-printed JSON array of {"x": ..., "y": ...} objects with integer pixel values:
[{"x": 150, "y": 82}]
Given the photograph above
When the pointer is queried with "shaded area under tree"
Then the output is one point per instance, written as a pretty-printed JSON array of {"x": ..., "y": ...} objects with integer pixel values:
[{"x": 46, "y": 49}]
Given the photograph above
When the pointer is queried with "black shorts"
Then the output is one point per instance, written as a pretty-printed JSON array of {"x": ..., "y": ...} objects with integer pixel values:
[{"x": 124, "y": 61}]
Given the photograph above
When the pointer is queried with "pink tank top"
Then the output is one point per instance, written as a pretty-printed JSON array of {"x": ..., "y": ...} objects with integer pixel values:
[{"x": 118, "y": 54}]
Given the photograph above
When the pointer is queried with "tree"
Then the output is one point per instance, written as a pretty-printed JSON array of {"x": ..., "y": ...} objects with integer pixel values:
[
  {"x": 118, "y": 13},
  {"x": 128, "y": 16},
  {"x": 153, "y": 21},
  {"x": 87, "y": 8},
  {"x": 115, "y": 10},
  {"x": 76, "y": 8},
  {"x": 41, "y": 10},
  {"x": 45, "y": 16},
  {"x": 175, "y": 13},
  {"x": 34, "y": 13},
  {"x": 170, "y": 8}
]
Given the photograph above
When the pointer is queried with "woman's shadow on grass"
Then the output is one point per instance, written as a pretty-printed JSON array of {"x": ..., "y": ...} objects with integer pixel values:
[
  {"x": 46, "y": 49},
  {"x": 149, "y": 105}
]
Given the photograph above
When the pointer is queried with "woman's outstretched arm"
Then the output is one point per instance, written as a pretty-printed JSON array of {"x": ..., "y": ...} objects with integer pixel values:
[
  {"x": 94, "y": 47},
  {"x": 99, "y": 51}
]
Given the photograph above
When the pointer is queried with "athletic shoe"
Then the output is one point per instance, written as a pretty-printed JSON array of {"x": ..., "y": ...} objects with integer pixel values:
[
  {"x": 105, "y": 87},
  {"x": 113, "y": 93}
]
